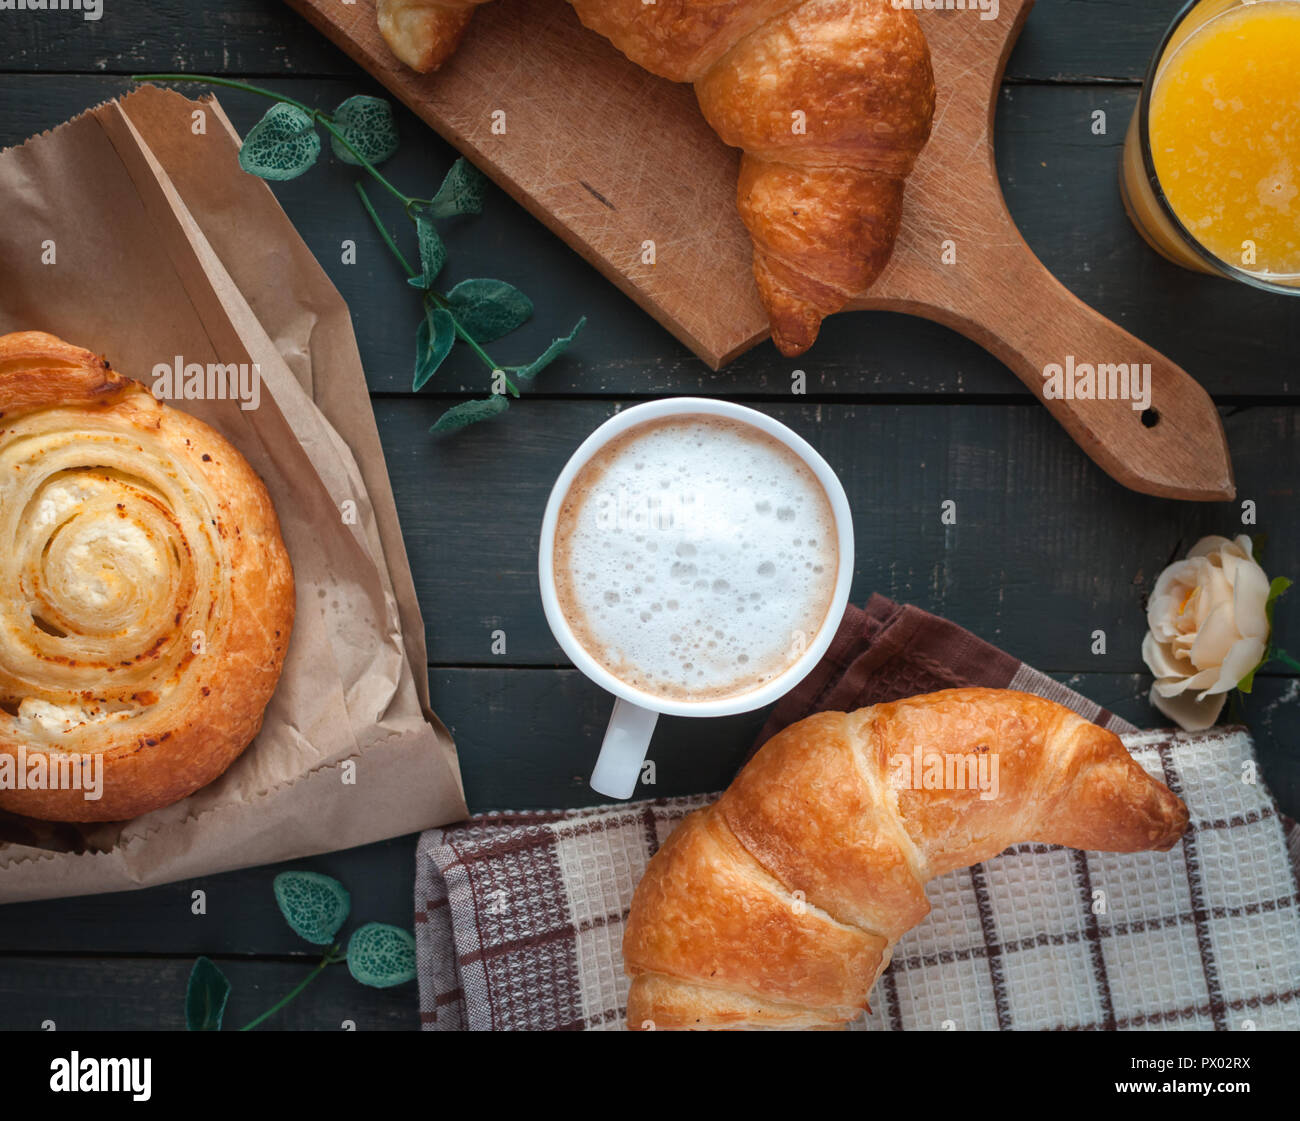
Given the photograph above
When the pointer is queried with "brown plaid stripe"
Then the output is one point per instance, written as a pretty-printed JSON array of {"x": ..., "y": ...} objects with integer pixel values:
[
  {"x": 500, "y": 883},
  {"x": 520, "y": 915}
]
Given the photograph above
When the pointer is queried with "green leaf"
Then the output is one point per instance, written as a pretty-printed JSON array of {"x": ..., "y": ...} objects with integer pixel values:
[
  {"x": 461, "y": 191},
  {"x": 381, "y": 956},
  {"x": 368, "y": 125},
  {"x": 314, "y": 906},
  {"x": 282, "y": 145},
  {"x": 471, "y": 412},
  {"x": 549, "y": 355},
  {"x": 1276, "y": 588},
  {"x": 433, "y": 341},
  {"x": 433, "y": 254},
  {"x": 205, "y": 997},
  {"x": 488, "y": 309}
]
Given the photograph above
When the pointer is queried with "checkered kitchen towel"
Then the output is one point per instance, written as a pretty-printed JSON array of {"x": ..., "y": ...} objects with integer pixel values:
[{"x": 520, "y": 916}]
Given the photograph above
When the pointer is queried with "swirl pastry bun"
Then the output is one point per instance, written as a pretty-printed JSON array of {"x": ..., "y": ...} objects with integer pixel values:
[{"x": 146, "y": 597}]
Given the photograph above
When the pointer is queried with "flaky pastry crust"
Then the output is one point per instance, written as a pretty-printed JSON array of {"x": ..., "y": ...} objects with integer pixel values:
[
  {"x": 146, "y": 597},
  {"x": 779, "y": 905}
]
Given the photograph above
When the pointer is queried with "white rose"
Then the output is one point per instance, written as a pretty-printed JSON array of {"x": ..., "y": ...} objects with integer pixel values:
[{"x": 1208, "y": 629}]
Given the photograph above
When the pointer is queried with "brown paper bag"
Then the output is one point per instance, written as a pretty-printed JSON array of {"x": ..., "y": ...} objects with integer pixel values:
[{"x": 159, "y": 246}]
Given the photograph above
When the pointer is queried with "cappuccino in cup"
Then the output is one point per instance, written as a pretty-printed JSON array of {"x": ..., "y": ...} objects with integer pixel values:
[{"x": 695, "y": 557}]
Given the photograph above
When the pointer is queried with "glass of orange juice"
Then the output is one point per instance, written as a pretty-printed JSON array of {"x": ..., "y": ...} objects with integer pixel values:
[{"x": 1211, "y": 168}]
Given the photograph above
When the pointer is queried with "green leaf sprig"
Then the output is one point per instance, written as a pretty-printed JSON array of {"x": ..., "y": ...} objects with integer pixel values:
[
  {"x": 362, "y": 131},
  {"x": 315, "y": 907}
]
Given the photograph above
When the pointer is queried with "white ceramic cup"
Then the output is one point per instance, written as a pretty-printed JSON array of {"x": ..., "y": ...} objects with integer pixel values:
[{"x": 635, "y": 712}]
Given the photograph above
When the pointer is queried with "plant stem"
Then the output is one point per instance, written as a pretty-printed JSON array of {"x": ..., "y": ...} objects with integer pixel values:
[
  {"x": 328, "y": 959},
  {"x": 407, "y": 202},
  {"x": 1286, "y": 659},
  {"x": 315, "y": 114},
  {"x": 383, "y": 231},
  {"x": 436, "y": 297},
  {"x": 404, "y": 199},
  {"x": 229, "y": 83},
  {"x": 472, "y": 343}
]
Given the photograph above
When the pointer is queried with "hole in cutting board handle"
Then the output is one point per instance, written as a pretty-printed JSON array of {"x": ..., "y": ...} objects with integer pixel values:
[{"x": 1150, "y": 418}]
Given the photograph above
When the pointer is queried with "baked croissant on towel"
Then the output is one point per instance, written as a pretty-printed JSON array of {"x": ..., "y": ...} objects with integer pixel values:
[
  {"x": 146, "y": 597},
  {"x": 779, "y": 905},
  {"x": 830, "y": 100}
]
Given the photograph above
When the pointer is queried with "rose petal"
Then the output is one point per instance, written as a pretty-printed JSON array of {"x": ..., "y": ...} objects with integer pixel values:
[
  {"x": 1185, "y": 572},
  {"x": 1240, "y": 660},
  {"x": 1215, "y": 590},
  {"x": 1207, "y": 545},
  {"x": 1197, "y": 683},
  {"x": 1250, "y": 593},
  {"x": 1172, "y": 586},
  {"x": 1162, "y": 620},
  {"x": 1160, "y": 659},
  {"x": 1173, "y": 606},
  {"x": 1215, "y": 638},
  {"x": 1188, "y": 712}
]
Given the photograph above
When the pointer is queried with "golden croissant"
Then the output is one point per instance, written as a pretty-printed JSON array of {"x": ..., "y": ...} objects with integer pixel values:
[
  {"x": 830, "y": 100},
  {"x": 779, "y": 905},
  {"x": 146, "y": 598}
]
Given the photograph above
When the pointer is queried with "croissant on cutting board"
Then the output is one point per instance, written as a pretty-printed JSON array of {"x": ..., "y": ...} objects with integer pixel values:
[
  {"x": 779, "y": 905},
  {"x": 831, "y": 101},
  {"x": 146, "y": 597}
]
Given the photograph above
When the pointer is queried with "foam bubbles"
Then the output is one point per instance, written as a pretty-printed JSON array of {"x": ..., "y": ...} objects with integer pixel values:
[{"x": 727, "y": 523}]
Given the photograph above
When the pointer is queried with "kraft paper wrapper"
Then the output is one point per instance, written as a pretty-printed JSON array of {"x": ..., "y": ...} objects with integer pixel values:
[{"x": 164, "y": 247}]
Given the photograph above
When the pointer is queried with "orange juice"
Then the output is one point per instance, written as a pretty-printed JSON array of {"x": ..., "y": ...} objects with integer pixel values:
[{"x": 1223, "y": 140}]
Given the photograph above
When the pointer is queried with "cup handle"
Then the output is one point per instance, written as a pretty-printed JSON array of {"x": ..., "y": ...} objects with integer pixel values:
[{"x": 626, "y": 741}]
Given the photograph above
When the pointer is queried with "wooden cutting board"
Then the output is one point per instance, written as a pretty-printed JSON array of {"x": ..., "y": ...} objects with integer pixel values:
[{"x": 612, "y": 159}]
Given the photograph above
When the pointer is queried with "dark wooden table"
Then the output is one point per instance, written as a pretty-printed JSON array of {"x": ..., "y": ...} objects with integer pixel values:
[{"x": 1046, "y": 549}]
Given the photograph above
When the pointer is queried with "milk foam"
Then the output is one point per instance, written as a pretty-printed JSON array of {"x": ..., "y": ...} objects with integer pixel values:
[{"x": 695, "y": 557}]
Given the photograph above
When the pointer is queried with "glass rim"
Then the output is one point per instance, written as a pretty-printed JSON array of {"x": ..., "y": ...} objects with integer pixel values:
[{"x": 1215, "y": 262}]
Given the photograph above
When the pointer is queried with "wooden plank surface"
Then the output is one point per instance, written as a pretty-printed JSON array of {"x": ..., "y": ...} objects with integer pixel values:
[
  {"x": 1036, "y": 522},
  {"x": 1067, "y": 40},
  {"x": 148, "y": 994},
  {"x": 1044, "y": 545},
  {"x": 1233, "y": 339}
]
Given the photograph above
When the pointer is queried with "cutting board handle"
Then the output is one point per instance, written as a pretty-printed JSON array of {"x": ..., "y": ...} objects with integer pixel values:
[
  {"x": 1143, "y": 419},
  {"x": 997, "y": 292}
]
